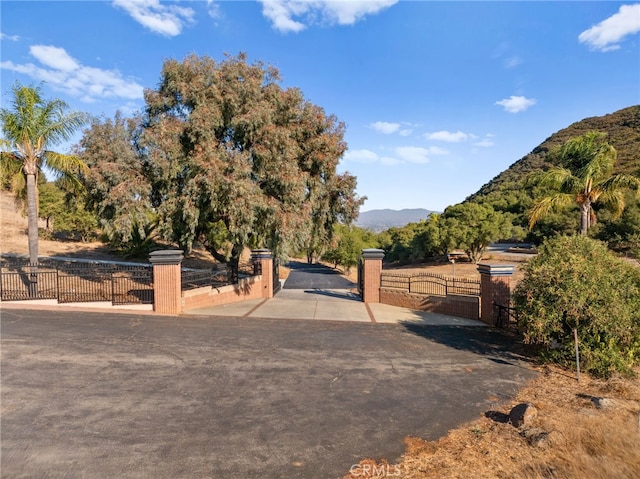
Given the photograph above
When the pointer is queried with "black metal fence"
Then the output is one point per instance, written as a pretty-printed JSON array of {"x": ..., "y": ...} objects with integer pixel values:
[
  {"x": 216, "y": 277},
  {"x": 73, "y": 281},
  {"x": 429, "y": 284},
  {"x": 506, "y": 316}
]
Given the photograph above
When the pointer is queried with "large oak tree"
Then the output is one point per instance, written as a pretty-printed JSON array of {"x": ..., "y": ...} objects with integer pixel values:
[{"x": 232, "y": 159}]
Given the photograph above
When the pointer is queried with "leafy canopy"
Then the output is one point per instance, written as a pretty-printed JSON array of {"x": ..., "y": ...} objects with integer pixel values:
[
  {"x": 472, "y": 227},
  {"x": 227, "y": 158}
]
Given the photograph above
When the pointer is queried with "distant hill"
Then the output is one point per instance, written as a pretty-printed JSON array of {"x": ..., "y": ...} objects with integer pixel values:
[{"x": 380, "y": 220}]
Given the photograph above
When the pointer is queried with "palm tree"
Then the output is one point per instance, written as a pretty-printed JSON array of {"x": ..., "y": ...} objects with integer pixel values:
[
  {"x": 29, "y": 128},
  {"x": 584, "y": 178}
]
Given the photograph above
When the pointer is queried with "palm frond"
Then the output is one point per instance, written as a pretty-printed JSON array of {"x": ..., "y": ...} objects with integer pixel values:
[
  {"x": 59, "y": 162},
  {"x": 600, "y": 166},
  {"x": 553, "y": 178},
  {"x": 617, "y": 182},
  {"x": 67, "y": 169},
  {"x": 546, "y": 205},
  {"x": 614, "y": 201},
  {"x": 34, "y": 121}
]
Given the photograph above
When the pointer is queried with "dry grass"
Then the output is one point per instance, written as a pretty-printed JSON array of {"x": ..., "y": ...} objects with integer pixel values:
[{"x": 582, "y": 441}]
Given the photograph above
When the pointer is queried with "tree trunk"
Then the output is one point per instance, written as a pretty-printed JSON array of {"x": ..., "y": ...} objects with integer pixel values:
[
  {"x": 234, "y": 263},
  {"x": 32, "y": 215},
  {"x": 585, "y": 210}
]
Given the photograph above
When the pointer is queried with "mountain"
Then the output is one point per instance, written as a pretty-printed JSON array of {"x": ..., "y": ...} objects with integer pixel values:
[
  {"x": 380, "y": 220},
  {"x": 509, "y": 193},
  {"x": 623, "y": 133}
]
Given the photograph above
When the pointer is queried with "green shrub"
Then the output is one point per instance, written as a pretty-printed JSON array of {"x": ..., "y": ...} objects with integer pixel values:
[{"x": 576, "y": 282}]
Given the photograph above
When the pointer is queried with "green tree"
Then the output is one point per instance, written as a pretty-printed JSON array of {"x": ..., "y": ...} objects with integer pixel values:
[
  {"x": 237, "y": 161},
  {"x": 51, "y": 203},
  {"x": 433, "y": 238},
  {"x": 584, "y": 178},
  {"x": 332, "y": 204},
  {"x": 349, "y": 241},
  {"x": 472, "y": 227},
  {"x": 30, "y": 127},
  {"x": 118, "y": 182},
  {"x": 65, "y": 213},
  {"x": 399, "y": 242},
  {"x": 576, "y": 282}
]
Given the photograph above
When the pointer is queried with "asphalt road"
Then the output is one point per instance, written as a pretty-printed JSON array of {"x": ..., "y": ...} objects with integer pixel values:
[
  {"x": 105, "y": 395},
  {"x": 315, "y": 276}
]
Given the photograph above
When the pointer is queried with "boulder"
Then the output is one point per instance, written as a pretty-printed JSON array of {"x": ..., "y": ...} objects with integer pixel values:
[
  {"x": 603, "y": 403},
  {"x": 522, "y": 414},
  {"x": 535, "y": 436}
]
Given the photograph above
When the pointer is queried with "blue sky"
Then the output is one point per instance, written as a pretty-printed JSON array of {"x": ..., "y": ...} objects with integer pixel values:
[{"x": 438, "y": 97}]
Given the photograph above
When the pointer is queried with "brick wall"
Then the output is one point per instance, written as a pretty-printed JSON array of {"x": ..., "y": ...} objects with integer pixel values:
[
  {"x": 452, "y": 305},
  {"x": 247, "y": 288}
]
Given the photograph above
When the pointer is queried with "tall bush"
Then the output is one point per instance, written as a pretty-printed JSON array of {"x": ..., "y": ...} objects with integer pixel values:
[{"x": 576, "y": 282}]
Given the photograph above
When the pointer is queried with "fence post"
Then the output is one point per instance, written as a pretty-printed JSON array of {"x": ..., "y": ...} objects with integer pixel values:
[
  {"x": 371, "y": 271},
  {"x": 167, "y": 287},
  {"x": 265, "y": 258},
  {"x": 495, "y": 287}
]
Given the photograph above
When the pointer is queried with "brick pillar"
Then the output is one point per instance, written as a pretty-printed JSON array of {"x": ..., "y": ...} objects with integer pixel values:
[
  {"x": 495, "y": 287},
  {"x": 371, "y": 271},
  {"x": 167, "y": 287},
  {"x": 264, "y": 258}
]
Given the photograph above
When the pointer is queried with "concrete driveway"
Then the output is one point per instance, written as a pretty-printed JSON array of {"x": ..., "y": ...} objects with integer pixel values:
[{"x": 105, "y": 395}]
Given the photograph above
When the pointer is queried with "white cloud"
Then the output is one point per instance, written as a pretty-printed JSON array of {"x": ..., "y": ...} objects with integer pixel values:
[
  {"x": 165, "y": 19},
  {"x": 413, "y": 154},
  {"x": 606, "y": 35},
  {"x": 484, "y": 143},
  {"x": 405, "y": 132},
  {"x": 448, "y": 136},
  {"x": 515, "y": 104},
  {"x": 368, "y": 156},
  {"x": 54, "y": 57},
  {"x": 400, "y": 154},
  {"x": 64, "y": 73},
  {"x": 295, "y": 15},
  {"x": 436, "y": 150},
  {"x": 13, "y": 38},
  {"x": 213, "y": 8},
  {"x": 361, "y": 156},
  {"x": 385, "y": 127}
]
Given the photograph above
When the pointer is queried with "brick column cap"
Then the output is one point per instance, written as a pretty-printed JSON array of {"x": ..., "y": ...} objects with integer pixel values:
[
  {"x": 496, "y": 269},
  {"x": 166, "y": 256},
  {"x": 261, "y": 254},
  {"x": 372, "y": 253}
]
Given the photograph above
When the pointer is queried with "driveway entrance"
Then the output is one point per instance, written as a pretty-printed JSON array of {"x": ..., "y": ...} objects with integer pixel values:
[
  {"x": 320, "y": 293},
  {"x": 106, "y": 395},
  {"x": 315, "y": 276}
]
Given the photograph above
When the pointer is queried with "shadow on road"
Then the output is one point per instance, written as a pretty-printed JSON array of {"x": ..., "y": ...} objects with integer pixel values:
[
  {"x": 315, "y": 268},
  {"x": 498, "y": 346},
  {"x": 339, "y": 294}
]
